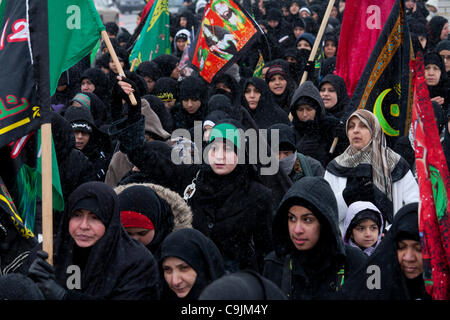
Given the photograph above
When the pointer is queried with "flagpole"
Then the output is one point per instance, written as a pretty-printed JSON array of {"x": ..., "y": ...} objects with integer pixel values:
[
  {"x": 105, "y": 38},
  {"x": 313, "y": 55},
  {"x": 133, "y": 64},
  {"x": 318, "y": 38},
  {"x": 317, "y": 43},
  {"x": 47, "y": 197}
]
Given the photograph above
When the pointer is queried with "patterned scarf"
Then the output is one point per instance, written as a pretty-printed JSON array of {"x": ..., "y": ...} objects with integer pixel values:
[{"x": 382, "y": 159}]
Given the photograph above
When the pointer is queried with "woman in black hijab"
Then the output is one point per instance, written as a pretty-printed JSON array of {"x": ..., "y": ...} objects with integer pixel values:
[
  {"x": 145, "y": 216},
  {"x": 437, "y": 31},
  {"x": 310, "y": 260},
  {"x": 189, "y": 262},
  {"x": 91, "y": 237},
  {"x": 437, "y": 80},
  {"x": 399, "y": 260},
  {"x": 259, "y": 102},
  {"x": 281, "y": 85}
]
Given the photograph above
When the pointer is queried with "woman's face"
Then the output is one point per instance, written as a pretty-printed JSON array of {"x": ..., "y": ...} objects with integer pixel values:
[
  {"x": 277, "y": 84},
  {"x": 298, "y": 31},
  {"x": 305, "y": 112},
  {"x": 85, "y": 228},
  {"x": 432, "y": 74},
  {"x": 191, "y": 105},
  {"x": 81, "y": 139},
  {"x": 183, "y": 22},
  {"x": 358, "y": 134},
  {"x": 409, "y": 254},
  {"x": 252, "y": 95},
  {"x": 329, "y": 95},
  {"x": 303, "y": 44},
  {"x": 179, "y": 276},
  {"x": 294, "y": 8},
  {"x": 144, "y": 236},
  {"x": 304, "y": 228},
  {"x": 330, "y": 49},
  {"x": 87, "y": 86},
  {"x": 444, "y": 32},
  {"x": 222, "y": 158}
]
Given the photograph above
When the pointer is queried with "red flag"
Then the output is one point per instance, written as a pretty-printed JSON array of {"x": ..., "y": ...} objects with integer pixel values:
[
  {"x": 227, "y": 31},
  {"x": 361, "y": 26},
  {"x": 434, "y": 186}
]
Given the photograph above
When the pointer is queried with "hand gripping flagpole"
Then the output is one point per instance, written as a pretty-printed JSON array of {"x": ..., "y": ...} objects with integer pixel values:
[
  {"x": 313, "y": 55},
  {"x": 105, "y": 38}
]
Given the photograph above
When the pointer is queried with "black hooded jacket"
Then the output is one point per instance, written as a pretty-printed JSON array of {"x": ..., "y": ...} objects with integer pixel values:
[
  {"x": 267, "y": 112},
  {"x": 199, "y": 252},
  {"x": 338, "y": 115},
  {"x": 442, "y": 89},
  {"x": 116, "y": 266},
  {"x": 98, "y": 149},
  {"x": 101, "y": 82},
  {"x": 321, "y": 272},
  {"x": 143, "y": 199},
  {"x": 393, "y": 284},
  {"x": 74, "y": 167},
  {"x": 313, "y": 136},
  {"x": 190, "y": 88}
]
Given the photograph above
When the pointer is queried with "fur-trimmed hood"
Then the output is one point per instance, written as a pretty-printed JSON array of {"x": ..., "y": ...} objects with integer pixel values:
[{"x": 182, "y": 213}]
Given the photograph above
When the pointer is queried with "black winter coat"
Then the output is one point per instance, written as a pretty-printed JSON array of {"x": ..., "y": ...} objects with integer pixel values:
[
  {"x": 319, "y": 273},
  {"x": 314, "y": 137}
]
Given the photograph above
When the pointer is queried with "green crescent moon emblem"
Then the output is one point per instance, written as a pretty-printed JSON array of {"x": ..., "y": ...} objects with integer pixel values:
[
  {"x": 378, "y": 111},
  {"x": 439, "y": 192}
]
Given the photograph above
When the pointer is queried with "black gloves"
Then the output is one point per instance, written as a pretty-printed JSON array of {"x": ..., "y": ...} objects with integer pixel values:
[
  {"x": 118, "y": 95},
  {"x": 130, "y": 130},
  {"x": 358, "y": 189},
  {"x": 44, "y": 275}
]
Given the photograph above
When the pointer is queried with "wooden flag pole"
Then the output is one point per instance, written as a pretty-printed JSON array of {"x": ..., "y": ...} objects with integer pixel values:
[
  {"x": 133, "y": 64},
  {"x": 323, "y": 25},
  {"x": 313, "y": 55},
  {"x": 47, "y": 196},
  {"x": 113, "y": 54}
]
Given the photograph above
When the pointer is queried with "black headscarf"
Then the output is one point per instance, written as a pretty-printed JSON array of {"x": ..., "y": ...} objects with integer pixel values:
[
  {"x": 342, "y": 107},
  {"x": 394, "y": 284},
  {"x": 443, "y": 87},
  {"x": 101, "y": 82},
  {"x": 242, "y": 285},
  {"x": 144, "y": 200},
  {"x": 435, "y": 26},
  {"x": 199, "y": 252},
  {"x": 267, "y": 112},
  {"x": 116, "y": 266}
]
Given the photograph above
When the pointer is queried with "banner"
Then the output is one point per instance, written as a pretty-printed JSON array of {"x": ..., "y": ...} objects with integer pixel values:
[
  {"x": 434, "y": 186},
  {"x": 154, "y": 39},
  {"x": 225, "y": 34},
  {"x": 361, "y": 27},
  {"x": 19, "y": 113},
  {"x": 385, "y": 87},
  {"x": 8, "y": 207},
  {"x": 74, "y": 29}
]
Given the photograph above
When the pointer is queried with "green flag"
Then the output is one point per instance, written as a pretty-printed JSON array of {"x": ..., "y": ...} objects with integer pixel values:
[
  {"x": 2, "y": 11},
  {"x": 74, "y": 29},
  {"x": 154, "y": 39}
]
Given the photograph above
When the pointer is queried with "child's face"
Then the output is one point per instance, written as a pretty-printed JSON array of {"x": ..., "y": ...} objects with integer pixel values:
[{"x": 365, "y": 234}]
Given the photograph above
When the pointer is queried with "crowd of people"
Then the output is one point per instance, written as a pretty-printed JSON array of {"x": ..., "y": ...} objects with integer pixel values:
[{"x": 139, "y": 225}]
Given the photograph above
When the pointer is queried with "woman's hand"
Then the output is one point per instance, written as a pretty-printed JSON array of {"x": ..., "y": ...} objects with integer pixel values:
[{"x": 439, "y": 100}]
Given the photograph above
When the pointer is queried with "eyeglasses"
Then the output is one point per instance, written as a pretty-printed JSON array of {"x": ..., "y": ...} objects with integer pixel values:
[{"x": 445, "y": 57}]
